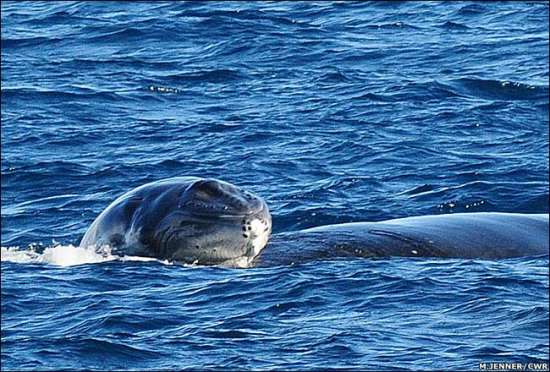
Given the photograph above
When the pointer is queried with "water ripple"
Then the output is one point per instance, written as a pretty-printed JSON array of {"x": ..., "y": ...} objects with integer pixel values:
[{"x": 333, "y": 112}]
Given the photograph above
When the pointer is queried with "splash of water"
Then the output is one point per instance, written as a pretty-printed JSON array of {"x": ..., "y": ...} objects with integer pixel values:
[{"x": 65, "y": 255}]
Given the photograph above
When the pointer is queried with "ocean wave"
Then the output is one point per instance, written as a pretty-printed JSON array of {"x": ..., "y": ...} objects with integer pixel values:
[
  {"x": 472, "y": 9},
  {"x": 493, "y": 90},
  {"x": 333, "y": 112},
  {"x": 108, "y": 63},
  {"x": 450, "y": 25},
  {"x": 22, "y": 42},
  {"x": 500, "y": 90},
  {"x": 53, "y": 96},
  {"x": 207, "y": 76}
]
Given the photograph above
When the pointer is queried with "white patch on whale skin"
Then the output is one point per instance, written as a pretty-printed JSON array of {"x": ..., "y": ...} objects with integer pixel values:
[
  {"x": 131, "y": 239},
  {"x": 238, "y": 263},
  {"x": 259, "y": 235}
]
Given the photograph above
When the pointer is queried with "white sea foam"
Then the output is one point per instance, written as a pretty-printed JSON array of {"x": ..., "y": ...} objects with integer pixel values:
[{"x": 64, "y": 255}]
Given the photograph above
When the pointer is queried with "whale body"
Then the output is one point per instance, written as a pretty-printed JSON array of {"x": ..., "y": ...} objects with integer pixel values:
[
  {"x": 462, "y": 235},
  {"x": 212, "y": 222}
]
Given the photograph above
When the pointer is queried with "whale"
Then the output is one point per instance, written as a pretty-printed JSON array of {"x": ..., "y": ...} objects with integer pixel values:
[
  {"x": 207, "y": 221},
  {"x": 184, "y": 219},
  {"x": 482, "y": 235}
]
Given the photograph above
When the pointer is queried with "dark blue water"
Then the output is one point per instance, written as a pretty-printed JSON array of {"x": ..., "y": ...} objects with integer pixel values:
[{"x": 333, "y": 112}]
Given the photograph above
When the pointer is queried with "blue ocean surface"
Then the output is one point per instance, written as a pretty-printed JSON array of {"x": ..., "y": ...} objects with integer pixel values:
[{"x": 333, "y": 112}]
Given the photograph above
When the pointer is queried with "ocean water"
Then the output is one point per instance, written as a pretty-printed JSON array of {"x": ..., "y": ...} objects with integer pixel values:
[{"x": 333, "y": 112}]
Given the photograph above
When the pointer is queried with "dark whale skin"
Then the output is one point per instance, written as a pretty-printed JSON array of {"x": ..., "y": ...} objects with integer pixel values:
[{"x": 461, "y": 235}]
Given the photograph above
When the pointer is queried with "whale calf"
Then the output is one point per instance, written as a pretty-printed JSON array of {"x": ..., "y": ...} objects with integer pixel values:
[{"x": 211, "y": 222}]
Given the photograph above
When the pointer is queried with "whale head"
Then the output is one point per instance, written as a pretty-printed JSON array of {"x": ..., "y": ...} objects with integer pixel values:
[{"x": 209, "y": 221}]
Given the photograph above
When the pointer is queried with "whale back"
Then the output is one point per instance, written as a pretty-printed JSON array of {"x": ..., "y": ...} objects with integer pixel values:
[{"x": 461, "y": 235}]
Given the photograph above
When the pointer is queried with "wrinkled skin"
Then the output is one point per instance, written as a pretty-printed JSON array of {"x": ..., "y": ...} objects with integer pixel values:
[
  {"x": 207, "y": 221},
  {"x": 184, "y": 219}
]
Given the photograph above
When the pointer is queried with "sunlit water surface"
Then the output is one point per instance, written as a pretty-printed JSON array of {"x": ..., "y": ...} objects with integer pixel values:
[{"x": 333, "y": 112}]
